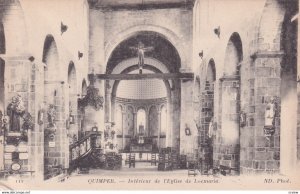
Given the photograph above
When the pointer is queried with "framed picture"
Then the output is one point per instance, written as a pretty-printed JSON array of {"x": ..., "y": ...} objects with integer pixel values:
[
  {"x": 187, "y": 131},
  {"x": 72, "y": 119},
  {"x": 95, "y": 128}
]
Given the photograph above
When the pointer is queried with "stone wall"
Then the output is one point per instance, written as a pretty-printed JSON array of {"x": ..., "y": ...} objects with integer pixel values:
[
  {"x": 177, "y": 29},
  {"x": 260, "y": 80}
]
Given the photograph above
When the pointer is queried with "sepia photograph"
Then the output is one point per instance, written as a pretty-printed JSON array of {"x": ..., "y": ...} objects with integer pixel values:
[{"x": 149, "y": 95}]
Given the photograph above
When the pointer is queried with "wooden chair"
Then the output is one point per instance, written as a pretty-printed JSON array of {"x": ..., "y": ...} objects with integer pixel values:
[
  {"x": 127, "y": 158},
  {"x": 132, "y": 160},
  {"x": 153, "y": 159},
  {"x": 192, "y": 168}
]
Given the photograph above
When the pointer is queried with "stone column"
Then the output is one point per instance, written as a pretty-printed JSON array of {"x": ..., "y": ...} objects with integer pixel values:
[
  {"x": 267, "y": 152},
  {"x": 170, "y": 122},
  {"x": 298, "y": 96},
  {"x": 147, "y": 121},
  {"x": 37, "y": 134},
  {"x": 99, "y": 120},
  {"x": 159, "y": 128},
  {"x": 184, "y": 108},
  {"x": 134, "y": 123},
  {"x": 108, "y": 108},
  {"x": 113, "y": 108},
  {"x": 123, "y": 129},
  {"x": 24, "y": 79},
  {"x": 228, "y": 138}
]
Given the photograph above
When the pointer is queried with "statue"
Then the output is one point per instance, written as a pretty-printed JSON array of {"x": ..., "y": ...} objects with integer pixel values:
[
  {"x": 187, "y": 130},
  {"x": 51, "y": 127},
  {"x": 141, "y": 49},
  {"x": 51, "y": 115},
  {"x": 212, "y": 128},
  {"x": 141, "y": 129},
  {"x": 270, "y": 113},
  {"x": 15, "y": 110}
]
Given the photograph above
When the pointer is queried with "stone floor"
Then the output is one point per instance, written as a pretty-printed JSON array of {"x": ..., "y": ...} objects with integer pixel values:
[{"x": 141, "y": 169}]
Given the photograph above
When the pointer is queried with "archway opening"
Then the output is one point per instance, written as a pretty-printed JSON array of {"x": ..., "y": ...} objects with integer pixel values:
[
  {"x": 230, "y": 105},
  {"x": 159, "y": 129},
  {"x": 52, "y": 93},
  {"x": 145, "y": 97},
  {"x": 73, "y": 104},
  {"x": 208, "y": 122},
  {"x": 163, "y": 50}
]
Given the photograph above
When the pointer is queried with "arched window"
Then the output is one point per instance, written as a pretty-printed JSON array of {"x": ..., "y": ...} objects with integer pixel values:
[
  {"x": 163, "y": 120},
  {"x": 141, "y": 121}
]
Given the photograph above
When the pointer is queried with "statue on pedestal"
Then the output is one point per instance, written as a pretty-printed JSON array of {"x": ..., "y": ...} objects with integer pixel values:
[{"x": 15, "y": 111}]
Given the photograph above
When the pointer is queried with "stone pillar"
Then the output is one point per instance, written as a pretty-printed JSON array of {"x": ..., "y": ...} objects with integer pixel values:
[
  {"x": 177, "y": 114},
  {"x": 96, "y": 56},
  {"x": 228, "y": 138},
  {"x": 134, "y": 123},
  {"x": 123, "y": 131},
  {"x": 113, "y": 108},
  {"x": 298, "y": 96},
  {"x": 93, "y": 116},
  {"x": 170, "y": 122},
  {"x": 206, "y": 115},
  {"x": 147, "y": 121},
  {"x": 37, "y": 135},
  {"x": 73, "y": 111},
  {"x": 22, "y": 81},
  {"x": 159, "y": 128},
  {"x": 108, "y": 103},
  {"x": 185, "y": 110},
  {"x": 267, "y": 85}
]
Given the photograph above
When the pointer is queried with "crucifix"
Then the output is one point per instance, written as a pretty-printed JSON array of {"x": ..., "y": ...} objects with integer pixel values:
[{"x": 141, "y": 49}]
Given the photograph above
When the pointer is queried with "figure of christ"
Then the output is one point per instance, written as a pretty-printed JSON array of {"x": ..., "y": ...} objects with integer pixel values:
[{"x": 141, "y": 49}]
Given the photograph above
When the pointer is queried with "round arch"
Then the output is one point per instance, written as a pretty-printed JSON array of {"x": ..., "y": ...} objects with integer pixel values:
[
  {"x": 131, "y": 31},
  {"x": 83, "y": 87},
  {"x": 211, "y": 70},
  {"x": 50, "y": 57},
  {"x": 11, "y": 11},
  {"x": 48, "y": 43},
  {"x": 270, "y": 25},
  {"x": 72, "y": 79},
  {"x": 233, "y": 55}
]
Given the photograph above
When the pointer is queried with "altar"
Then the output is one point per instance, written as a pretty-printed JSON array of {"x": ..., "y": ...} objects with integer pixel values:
[{"x": 141, "y": 144}]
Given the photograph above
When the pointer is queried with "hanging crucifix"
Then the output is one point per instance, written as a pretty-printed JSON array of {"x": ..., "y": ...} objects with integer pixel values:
[{"x": 141, "y": 49}]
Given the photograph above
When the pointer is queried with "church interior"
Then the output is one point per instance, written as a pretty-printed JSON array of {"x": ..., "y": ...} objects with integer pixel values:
[{"x": 198, "y": 87}]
